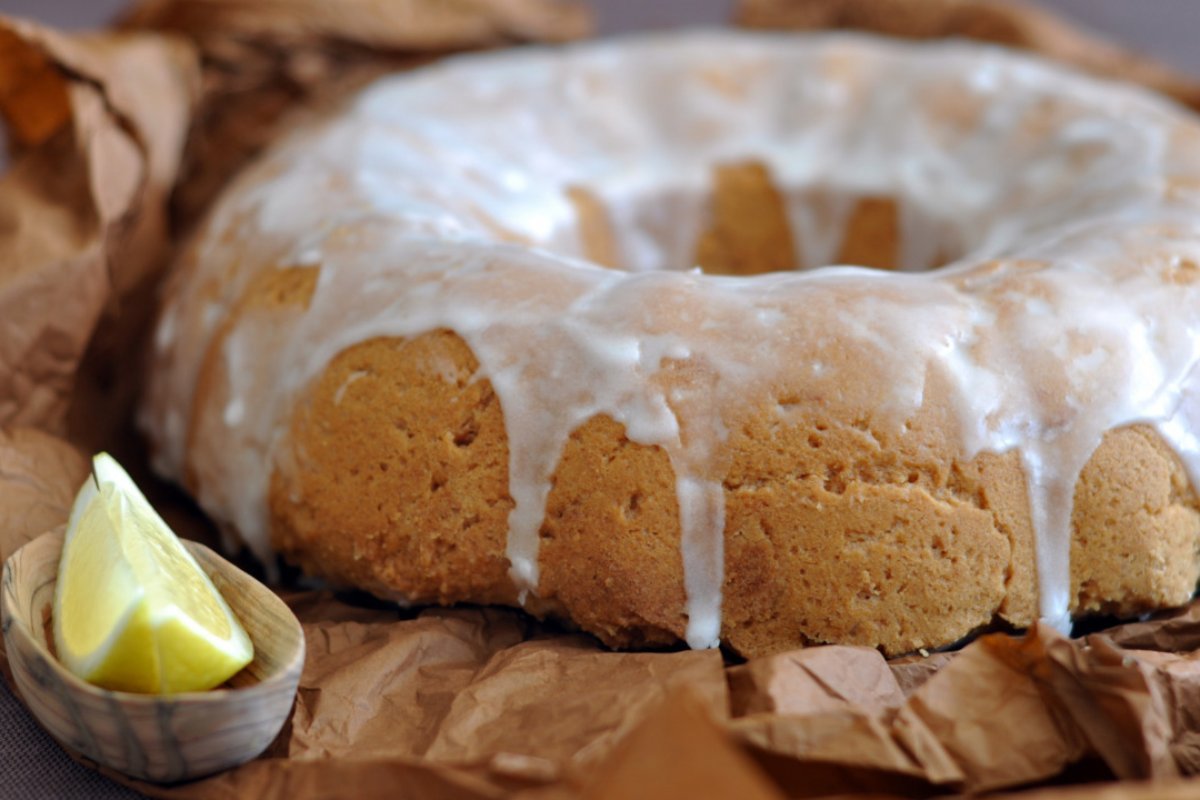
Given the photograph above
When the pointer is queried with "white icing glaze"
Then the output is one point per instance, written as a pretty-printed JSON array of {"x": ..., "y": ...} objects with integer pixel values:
[{"x": 439, "y": 200}]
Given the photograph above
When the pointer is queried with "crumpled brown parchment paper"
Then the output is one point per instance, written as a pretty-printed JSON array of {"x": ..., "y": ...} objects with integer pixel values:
[
  {"x": 97, "y": 126},
  {"x": 119, "y": 141}
]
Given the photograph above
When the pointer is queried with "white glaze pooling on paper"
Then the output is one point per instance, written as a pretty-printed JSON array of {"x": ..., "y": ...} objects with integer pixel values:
[{"x": 440, "y": 201}]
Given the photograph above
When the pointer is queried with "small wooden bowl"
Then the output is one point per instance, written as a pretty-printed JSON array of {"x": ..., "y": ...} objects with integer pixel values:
[{"x": 153, "y": 737}]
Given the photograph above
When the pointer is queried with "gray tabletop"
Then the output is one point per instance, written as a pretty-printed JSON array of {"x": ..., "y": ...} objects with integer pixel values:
[
  {"x": 32, "y": 765},
  {"x": 1164, "y": 27}
]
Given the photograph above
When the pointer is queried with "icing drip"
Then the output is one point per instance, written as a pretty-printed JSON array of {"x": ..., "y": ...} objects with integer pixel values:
[
  {"x": 1071, "y": 310},
  {"x": 701, "y": 513},
  {"x": 1050, "y": 484}
]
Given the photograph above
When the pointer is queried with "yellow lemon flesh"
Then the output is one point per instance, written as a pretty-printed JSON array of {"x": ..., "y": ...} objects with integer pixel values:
[{"x": 132, "y": 609}]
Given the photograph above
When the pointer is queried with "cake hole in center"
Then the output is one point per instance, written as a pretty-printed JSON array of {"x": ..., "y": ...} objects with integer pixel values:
[{"x": 746, "y": 224}]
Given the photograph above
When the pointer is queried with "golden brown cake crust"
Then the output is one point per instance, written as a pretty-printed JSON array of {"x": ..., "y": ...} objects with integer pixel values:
[
  {"x": 748, "y": 233},
  {"x": 404, "y": 483},
  {"x": 834, "y": 531}
]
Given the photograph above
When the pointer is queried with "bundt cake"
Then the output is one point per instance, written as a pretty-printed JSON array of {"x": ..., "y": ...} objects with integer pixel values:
[{"x": 554, "y": 327}]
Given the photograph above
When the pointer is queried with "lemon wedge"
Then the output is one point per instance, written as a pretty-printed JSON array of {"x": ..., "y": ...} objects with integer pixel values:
[{"x": 132, "y": 609}]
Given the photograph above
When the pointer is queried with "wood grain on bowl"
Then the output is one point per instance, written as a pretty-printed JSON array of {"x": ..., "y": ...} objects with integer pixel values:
[{"x": 153, "y": 737}]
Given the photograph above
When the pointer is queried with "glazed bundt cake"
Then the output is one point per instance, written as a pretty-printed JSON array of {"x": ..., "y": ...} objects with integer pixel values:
[{"x": 554, "y": 328}]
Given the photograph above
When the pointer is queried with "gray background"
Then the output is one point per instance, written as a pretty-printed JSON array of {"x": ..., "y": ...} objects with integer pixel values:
[
  {"x": 32, "y": 766},
  {"x": 1167, "y": 27}
]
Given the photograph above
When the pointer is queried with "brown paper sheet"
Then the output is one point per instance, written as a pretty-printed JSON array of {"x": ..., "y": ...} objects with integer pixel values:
[
  {"x": 478, "y": 702},
  {"x": 39, "y": 474},
  {"x": 120, "y": 141},
  {"x": 98, "y": 126}
]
